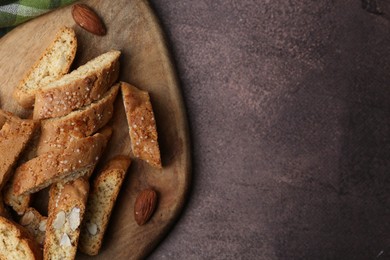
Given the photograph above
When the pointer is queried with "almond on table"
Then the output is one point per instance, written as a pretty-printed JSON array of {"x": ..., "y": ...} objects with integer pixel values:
[
  {"x": 86, "y": 18},
  {"x": 144, "y": 206}
]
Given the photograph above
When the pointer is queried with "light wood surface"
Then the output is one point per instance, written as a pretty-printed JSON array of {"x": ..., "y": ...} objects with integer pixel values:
[{"x": 145, "y": 63}]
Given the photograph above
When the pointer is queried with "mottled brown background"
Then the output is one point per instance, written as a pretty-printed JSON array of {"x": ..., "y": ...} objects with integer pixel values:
[{"x": 288, "y": 105}]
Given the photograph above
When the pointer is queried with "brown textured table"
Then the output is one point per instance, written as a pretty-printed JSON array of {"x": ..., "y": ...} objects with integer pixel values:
[{"x": 289, "y": 110}]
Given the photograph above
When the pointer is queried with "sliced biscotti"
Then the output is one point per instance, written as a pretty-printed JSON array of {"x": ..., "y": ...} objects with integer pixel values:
[
  {"x": 14, "y": 136},
  {"x": 53, "y": 64},
  {"x": 56, "y": 133},
  {"x": 142, "y": 125},
  {"x": 101, "y": 200},
  {"x": 77, "y": 159},
  {"x": 66, "y": 210},
  {"x": 17, "y": 243},
  {"x": 35, "y": 223},
  {"x": 79, "y": 88},
  {"x": 19, "y": 203}
]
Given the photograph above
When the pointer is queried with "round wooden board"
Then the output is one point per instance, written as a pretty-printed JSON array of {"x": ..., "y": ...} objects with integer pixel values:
[{"x": 145, "y": 63}]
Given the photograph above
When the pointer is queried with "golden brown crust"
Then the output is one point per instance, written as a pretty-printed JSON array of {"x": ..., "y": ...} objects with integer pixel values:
[
  {"x": 18, "y": 203},
  {"x": 58, "y": 132},
  {"x": 101, "y": 200},
  {"x": 63, "y": 199},
  {"x": 142, "y": 125},
  {"x": 64, "y": 98},
  {"x": 14, "y": 136},
  {"x": 75, "y": 161},
  {"x": 20, "y": 244},
  {"x": 26, "y": 96}
]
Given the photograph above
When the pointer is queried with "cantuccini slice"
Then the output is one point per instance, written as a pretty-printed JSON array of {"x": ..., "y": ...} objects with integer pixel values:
[
  {"x": 79, "y": 88},
  {"x": 17, "y": 243},
  {"x": 14, "y": 136},
  {"x": 77, "y": 159},
  {"x": 19, "y": 203},
  {"x": 101, "y": 200},
  {"x": 66, "y": 210},
  {"x": 35, "y": 224},
  {"x": 56, "y": 133},
  {"x": 142, "y": 125},
  {"x": 53, "y": 64}
]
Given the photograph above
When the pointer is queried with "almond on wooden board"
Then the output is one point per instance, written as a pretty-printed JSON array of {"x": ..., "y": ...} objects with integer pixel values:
[
  {"x": 144, "y": 206},
  {"x": 87, "y": 19}
]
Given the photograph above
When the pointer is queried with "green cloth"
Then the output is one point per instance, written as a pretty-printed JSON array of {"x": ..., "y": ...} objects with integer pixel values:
[{"x": 13, "y": 13}]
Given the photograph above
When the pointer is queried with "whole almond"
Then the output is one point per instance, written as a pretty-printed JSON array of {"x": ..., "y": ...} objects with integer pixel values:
[
  {"x": 86, "y": 18},
  {"x": 144, "y": 206}
]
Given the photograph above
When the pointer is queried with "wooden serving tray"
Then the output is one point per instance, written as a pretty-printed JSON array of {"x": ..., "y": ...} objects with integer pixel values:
[{"x": 145, "y": 62}]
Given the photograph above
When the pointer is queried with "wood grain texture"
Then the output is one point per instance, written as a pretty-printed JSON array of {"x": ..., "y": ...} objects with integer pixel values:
[{"x": 145, "y": 62}]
